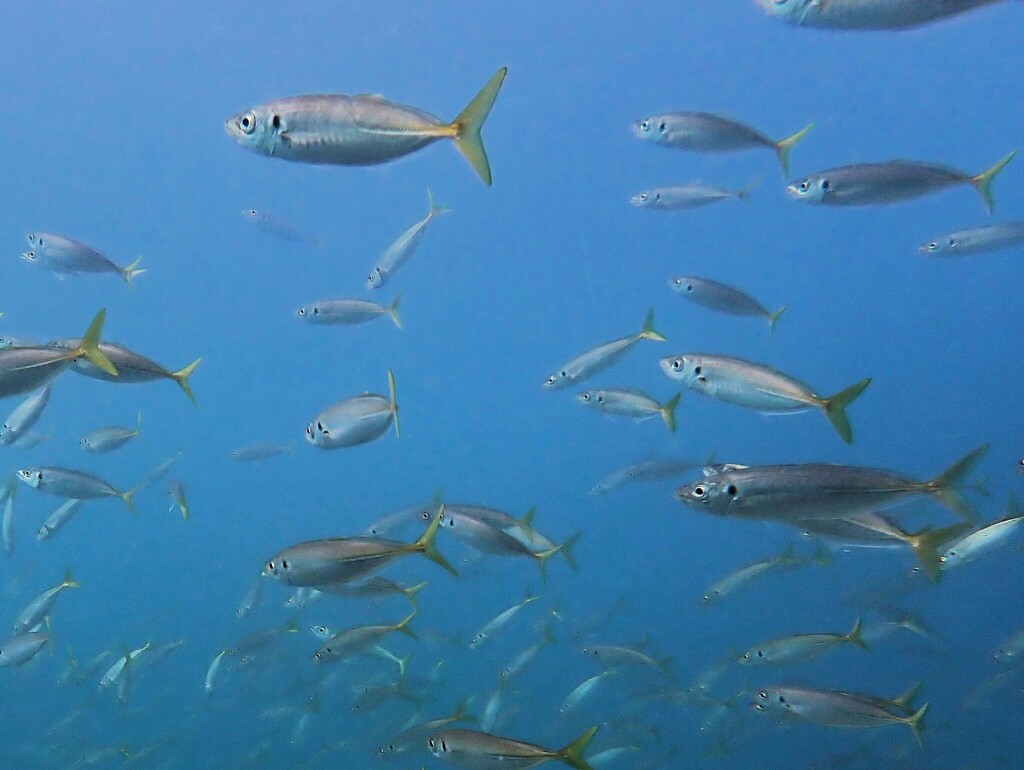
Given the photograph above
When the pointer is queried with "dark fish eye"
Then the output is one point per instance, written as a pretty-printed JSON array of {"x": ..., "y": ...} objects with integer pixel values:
[
  {"x": 698, "y": 369},
  {"x": 585, "y": 396},
  {"x": 699, "y": 491},
  {"x": 564, "y": 374},
  {"x": 248, "y": 122},
  {"x": 430, "y": 743},
  {"x": 270, "y": 566},
  {"x": 746, "y": 655},
  {"x": 645, "y": 125},
  {"x": 677, "y": 364},
  {"x": 302, "y": 311},
  {"x": 643, "y": 196},
  {"x": 804, "y": 186},
  {"x": 933, "y": 246},
  {"x": 731, "y": 489},
  {"x": 782, "y": 700},
  {"x": 763, "y": 694}
]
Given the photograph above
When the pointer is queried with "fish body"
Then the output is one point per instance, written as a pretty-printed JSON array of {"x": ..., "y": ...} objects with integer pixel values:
[
  {"x": 583, "y": 690},
  {"x": 689, "y": 196},
  {"x": 794, "y": 649},
  {"x": 722, "y": 298},
  {"x": 414, "y": 737},
  {"x": 498, "y": 622},
  {"x": 355, "y": 421},
  {"x": 613, "y": 656},
  {"x": 7, "y": 526},
  {"x": 178, "y": 500},
  {"x": 1011, "y": 650},
  {"x": 403, "y": 247},
  {"x": 634, "y": 404},
  {"x": 73, "y": 485},
  {"x": 278, "y": 227},
  {"x": 211, "y": 672},
  {"x": 867, "y": 14},
  {"x": 745, "y": 575},
  {"x": 109, "y": 438},
  {"x": 980, "y": 542},
  {"x": 1003, "y": 235},
  {"x": 492, "y": 540},
  {"x": 40, "y": 606},
  {"x": 117, "y": 668},
  {"x": 21, "y": 648},
  {"x": 58, "y": 519},
  {"x": 24, "y": 416},
  {"x": 361, "y": 130},
  {"x": 649, "y": 470},
  {"x": 477, "y": 750},
  {"x": 356, "y": 641},
  {"x": 131, "y": 367},
  {"x": 348, "y": 312},
  {"x": 257, "y": 452},
  {"x": 65, "y": 256}
]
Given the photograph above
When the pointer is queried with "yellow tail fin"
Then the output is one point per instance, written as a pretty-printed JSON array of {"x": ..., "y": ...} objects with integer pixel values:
[
  {"x": 181, "y": 377},
  {"x": 89, "y": 346},
  {"x": 466, "y": 127},
  {"x": 784, "y": 147},
  {"x": 983, "y": 181}
]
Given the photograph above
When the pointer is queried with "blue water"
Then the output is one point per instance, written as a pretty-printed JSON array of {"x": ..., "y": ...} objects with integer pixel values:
[{"x": 113, "y": 116}]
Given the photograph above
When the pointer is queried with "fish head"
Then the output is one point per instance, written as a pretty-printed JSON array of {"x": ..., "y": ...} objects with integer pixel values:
[
  {"x": 251, "y": 215},
  {"x": 256, "y": 129},
  {"x": 438, "y": 745},
  {"x": 84, "y": 442},
  {"x": 941, "y": 246},
  {"x": 590, "y": 397},
  {"x": 277, "y": 567},
  {"x": 654, "y": 129},
  {"x": 321, "y": 632},
  {"x": 646, "y": 200},
  {"x": 811, "y": 189},
  {"x": 317, "y": 434},
  {"x": 771, "y": 701},
  {"x": 682, "y": 284},
  {"x": 32, "y": 257},
  {"x": 687, "y": 369},
  {"x": 950, "y": 558},
  {"x": 556, "y": 380},
  {"x": 376, "y": 278},
  {"x": 33, "y": 477},
  {"x": 309, "y": 311},
  {"x": 715, "y": 494}
]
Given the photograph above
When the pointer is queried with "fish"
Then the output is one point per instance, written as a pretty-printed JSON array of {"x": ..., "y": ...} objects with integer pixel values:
[
  {"x": 820, "y": 491},
  {"x": 72, "y": 484},
  {"x": 21, "y": 648},
  {"x": 177, "y": 493},
  {"x": 7, "y": 525},
  {"x": 414, "y": 737},
  {"x": 983, "y": 540},
  {"x": 689, "y": 196},
  {"x": 602, "y": 357},
  {"x": 396, "y": 520},
  {"x": 476, "y": 750},
  {"x": 631, "y": 403},
  {"x": 58, "y": 519},
  {"x": 264, "y": 451},
  {"x": 489, "y": 539},
  {"x": 64, "y": 256},
  {"x": 349, "y": 312},
  {"x": 708, "y": 132},
  {"x": 495, "y": 624},
  {"x": 759, "y": 387},
  {"x": 356, "y": 641},
  {"x": 613, "y": 656},
  {"x": 1004, "y": 235},
  {"x": 1011, "y": 650},
  {"x": 867, "y": 14},
  {"x": 279, "y": 227},
  {"x": 212, "y": 670},
  {"x": 584, "y": 689},
  {"x": 894, "y": 181},
  {"x": 723, "y": 298},
  {"x": 403, "y": 247},
  {"x": 252, "y": 597},
  {"x": 523, "y": 658},
  {"x": 649, "y": 470},
  {"x": 341, "y": 560},
  {"x": 131, "y": 367},
  {"x": 794, "y": 649},
  {"x": 374, "y": 588},
  {"x": 744, "y": 575},
  {"x": 40, "y": 606},
  {"x": 360, "y": 130},
  {"x": 25, "y": 415},
  {"x": 355, "y": 420},
  {"x": 834, "y": 709},
  {"x": 110, "y": 438},
  {"x": 24, "y": 369}
]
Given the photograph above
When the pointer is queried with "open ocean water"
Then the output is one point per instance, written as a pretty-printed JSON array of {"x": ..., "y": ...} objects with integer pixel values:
[{"x": 114, "y": 117}]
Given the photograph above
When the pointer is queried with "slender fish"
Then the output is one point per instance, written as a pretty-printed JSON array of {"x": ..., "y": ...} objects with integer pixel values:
[
  {"x": 689, "y": 196},
  {"x": 867, "y": 14},
  {"x": 723, "y": 298},
  {"x": 1004, "y": 235},
  {"x": 403, "y": 247},
  {"x": 348, "y": 312},
  {"x": 65, "y": 256}
]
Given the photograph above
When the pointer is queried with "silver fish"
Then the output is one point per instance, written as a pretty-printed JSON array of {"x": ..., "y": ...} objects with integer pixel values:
[
  {"x": 689, "y": 196},
  {"x": 131, "y": 367},
  {"x": 349, "y": 312},
  {"x": 600, "y": 358},
  {"x": 649, "y": 470},
  {"x": 745, "y": 575},
  {"x": 495, "y": 624},
  {"x": 8, "y": 522},
  {"x": 867, "y": 14},
  {"x": 759, "y": 387},
  {"x": 982, "y": 540},
  {"x": 489, "y": 539},
  {"x": 110, "y": 438},
  {"x": 21, "y": 648},
  {"x": 24, "y": 416},
  {"x": 356, "y": 420},
  {"x": 403, "y": 247},
  {"x": 65, "y": 256},
  {"x": 279, "y": 227},
  {"x": 1011, "y": 650},
  {"x": 475, "y": 750},
  {"x": 72, "y": 484},
  {"x": 631, "y": 403},
  {"x": 177, "y": 492},
  {"x": 257, "y": 452},
  {"x": 872, "y": 184},
  {"x": 794, "y": 649},
  {"x": 414, "y": 737},
  {"x": 252, "y": 597},
  {"x": 584, "y": 689},
  {"x": 40, "y": 606},
  {"x": 211, "y": 672},
  {"x": 613, "y": 656},
  {"x": 356, "y": 641},
  {"x": 58, "y": 519},
  {"x": 708, "y": 132},
  {"x": 360, "y": 130},
  {"x": 723, "y": 298},
  {"x": 1004, "y": 235}
]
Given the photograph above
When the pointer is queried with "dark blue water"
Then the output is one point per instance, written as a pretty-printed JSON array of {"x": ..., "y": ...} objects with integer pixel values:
[{"x": 113, "y": 116}]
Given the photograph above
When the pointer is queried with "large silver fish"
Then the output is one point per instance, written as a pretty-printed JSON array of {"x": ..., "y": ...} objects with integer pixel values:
[
  {"x": 355, "y": 420},
  {"x": 360, "y": 130},
  {"x": 73, "y": 485},
  {"x": 867, "y": 14},
  {"x": 21, "y": 648}
]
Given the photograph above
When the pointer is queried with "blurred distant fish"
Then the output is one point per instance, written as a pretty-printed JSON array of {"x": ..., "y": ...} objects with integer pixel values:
[
  {"x": 583, "y": 690},
  {"x": 402, "y": 249},
  {"x": 759, "y": 387},
  {"x": 489, "y": 539},
  {"x": 613, "y": 656},
  {"x": 252, "y": 598},
  {"x": 40, "y": 606},
  {"x": 279, "y": 227},
  {"x": 177, "y": 493},
  {"x": 722, "y": 298},
  {"x": 689, "y": 196},
  {"x": 110, "y": 438},
  {"x": 257, "y": 452},
  {"x": 24, "y": 416},
  {"x": 745, "y": 575},
  {"x": 21, "y": 648},
  {"x": 349, "y": 312},
  {"x": 600, "y": 358},
  {"x": 414, "y": 737},
  {"x": 374, "y": 588},
  {"x": 355, "y": 420},
  {"x": 8, "y": 522},
  {"x": 707, "y": 132},
  {"x": 72, "y": 484},
  {"x": 58, "y": 519},
  {"x": 1004, "y": 235},
  {"x": 1011, "y": 650},
  {"x": 631, "y": 403},
  {"x": 360, "y": 130},
  {"x": 894, "y": 181},
  {"x": 495, "y": 624},
  {"x": 649, "y": 470},
  {"x": 65, "y": 256},
  {"x": 867, "y": 14},
  {"x": 470, "y": 749}
]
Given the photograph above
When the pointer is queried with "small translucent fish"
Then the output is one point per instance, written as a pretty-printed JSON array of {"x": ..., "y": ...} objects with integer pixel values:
[
  {"x": 794, "y": 649},
  {"x": 583, "y": 690},
  {"x": 634, "y": 404},
  {"x": 375, "y": 588},
  {"x": 647, "y": 471},
  {"x": 74, "y": 485},
  {"x": 498, "y": 622},
  {"x": 520, "y": 661},
  {"x": 867, "y": 14},
  {"x": 65, "y": 256},
  {"x": 356, "y": 420},
  {"x": 402, "y": 249},
  {"x": 21, "y": 648},
  {"x": 110, "y": 438},
  {"x": 264, "y": 451},
  {"x": 349, "y": 312},
  {"x": 360, "y": 130},
  {"x": 759, "y": 387},
  {"x": 40, "y": 606},
  {"x": 722, "y": 298},
  {"x": 252, "y": 646},
  {"x": 689, "y": 196},
  {"x": 601, "y": 357},
  {"x": 477, "y": 750},
  {"x": 356, "y": 641},
  {"x": 894, "y": 181},
  {"x": 7, "y": 526},
  {"x": 32, "y": 440},
  {"x": 707, "y": 132},
  {"x": 1011, "y": 650},
  {"x": 212, "y": 670},
  {"x": 160, "y": 653},
  {"x": 25, "y": 415},
  {"x": 414, "y": 737},
  {"x": 745, "y": 575},
  {"x": 279, "y": 227},
  {"x": 177, "y": 493},
  {"x": 1004, "y": 235},
  {"x": 161, "y": 470},
  {"x": 613, "y": 656},
  {"x": 251, "y": 600}
]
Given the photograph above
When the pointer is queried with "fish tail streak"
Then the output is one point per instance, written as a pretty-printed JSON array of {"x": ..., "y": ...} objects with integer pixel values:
[
  {"x": 403, "y": 625},
  {"x": 566, "y": 549},
  {"x": 130, "y": 271},
  {"x": 466, "y": 127},
  {"x": 855, "y": 638},
  {"x": 426, "y": 544},
  {"x": 181, "y": 377},
  {"x": 525, "y": 524},
  {"x": 89, "y": 347},
  {"x": 433, "y": 209},
  {"x": 461, "y": 713},
  {"x": 906, "y": 700},
  {"x": 784, "y": 147},
  {"x": 69, "y": 581},
  {"x": 668, "y": 411},
  {"x": 648, "y": 332},
  {"x": 916, "y": 724},
  {"x": 393, "y": 310},
  {"x": 572, "y": 754},
  {"x": 983, "y": 181},
  {"x": 944, "y": 485},
  {"x": 773, "y": 317},
  {"x": 927, "y": 544},
  {"x": 392, "y": 403},
  {"x": 835, "y": 408},
  {"x": 127, "y": 497}
]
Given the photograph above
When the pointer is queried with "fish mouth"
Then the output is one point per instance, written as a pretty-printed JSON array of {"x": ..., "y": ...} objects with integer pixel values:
[
  {"x": 794, "y": 192},
  {"x": 231, "y": 127},
  {"x": 636, "y": 200},
  {"x": 28, "y": 256}
]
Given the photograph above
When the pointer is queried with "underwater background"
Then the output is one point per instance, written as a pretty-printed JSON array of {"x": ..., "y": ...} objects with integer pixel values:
[{"x": 113, "y": 135}]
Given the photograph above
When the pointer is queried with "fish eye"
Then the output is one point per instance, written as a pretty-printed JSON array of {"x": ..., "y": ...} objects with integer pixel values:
[
  {"x": 585, "y": 396},
  {"x": 564, "y": 374},
  {"x": 763, "y": 695},
  {"x": 270, "y": 566},
  {"x": 825, "y": 184},
  {"x": 933, "y": 246},
  {"x": 677, "y": 364},
  {"x": 677, "y": 281},
  {"x": 643, "y": 196},
  {"x": 782, "y": 700},
  {"x": 803, "y": 186},
  {"x": 699, "y": 491},
  {"x": 318, "y": 655},
  {"x": 698, "y": 369},
  {"x": 551, "y": 380},
  {"x": 248, "y": 122},
  {"x": 731, "y": 489},
  {"x": 252, "y": 212},
  {"x": 746, "y": 656},
  {"x": 645, "y": 125},
  {"x": 302, "y": 311},
  {"x": 430, "y": 743},
  {"x": 689, "y": 287}
]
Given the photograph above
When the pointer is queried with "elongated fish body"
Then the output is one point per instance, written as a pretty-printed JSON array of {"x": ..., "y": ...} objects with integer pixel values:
[
  {"x": 396, "y": 520},
  {"x": 402, "y": 249},
  {"x": 476, "y": 751},
  {"x": 58, "y": 519},
  {"x": 1011, "y": 650},
  {"x": 278, "y": 227},
  {"x": 7, "y": 526},
  {"x": 1003, "y": 235},
  {"x": 483, "y": 536},
  {"x": 41, "y": 605},
  {"x": 980, "y": 542},
  {"x": 582, "y": 690},
  {"x": 498, "y": 622},
  {"x": 362, "y": 130},
  {"x": 488, "y": 515},
  {"x": 744, "y": 575},
  {"x": 70, "y": 484},
  {"x": 794, "y": 649},
  {"x": 109, "y": 438},
  {"x": 347, "y": 312},
  {"x": 722, "y": 298},
  {"x": 257, "y": 452},
  {"x": 634, "y": 404},
  {"x": 689, "y": 196},
  {"x": 21, "y": 648},
  {"x": 650, "y": 470},
  {"x": 356, "y": 641},
  {"x": 867, "y": 14},
  {"x": 416, "y": 736},
  {"x": 24, "y": 416},
  {"x": 354, "y": 421},
  {"x": 65, "y": 256}
]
